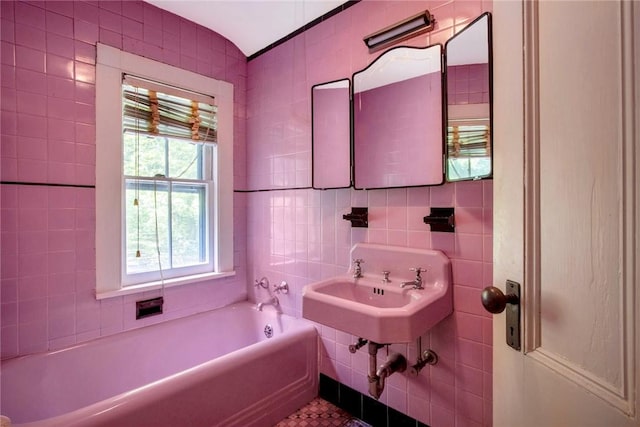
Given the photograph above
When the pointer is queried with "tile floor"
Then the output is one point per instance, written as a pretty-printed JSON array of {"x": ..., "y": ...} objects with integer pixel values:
[{"x": 320, "y": 413}]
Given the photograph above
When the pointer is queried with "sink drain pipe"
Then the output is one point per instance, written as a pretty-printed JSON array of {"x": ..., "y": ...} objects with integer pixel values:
[{"x": 396, "y": 362}]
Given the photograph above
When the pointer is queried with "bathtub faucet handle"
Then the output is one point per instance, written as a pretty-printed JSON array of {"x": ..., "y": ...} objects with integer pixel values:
[
  {"x": 282, "y": 287},
  {"x": 263, "y": 283}
]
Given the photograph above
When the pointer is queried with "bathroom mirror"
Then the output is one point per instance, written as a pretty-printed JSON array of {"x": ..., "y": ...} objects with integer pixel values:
[
  {"x": 398, "y": 129},
  {"x": 469, "y": 111},
  {"x": 331, "y": 135}
]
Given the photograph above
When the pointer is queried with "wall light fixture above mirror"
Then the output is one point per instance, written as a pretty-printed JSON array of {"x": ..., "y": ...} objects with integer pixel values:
[{"x": 403, "y": 30}]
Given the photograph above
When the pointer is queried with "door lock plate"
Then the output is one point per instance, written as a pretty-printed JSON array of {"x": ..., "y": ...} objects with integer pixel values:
[{"x": 513, "y": 315}]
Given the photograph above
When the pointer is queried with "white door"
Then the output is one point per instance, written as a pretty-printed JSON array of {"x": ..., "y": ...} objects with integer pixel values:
[{"x": 567, "y": 211}]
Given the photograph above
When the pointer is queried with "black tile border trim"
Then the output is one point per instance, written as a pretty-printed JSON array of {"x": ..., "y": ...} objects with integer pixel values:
[
  {"x": 304, "y": 28},
  {"x": 262, "y": 190},
  {"x": 363, "y": 407},
  {"x": 46, "y": 184}
]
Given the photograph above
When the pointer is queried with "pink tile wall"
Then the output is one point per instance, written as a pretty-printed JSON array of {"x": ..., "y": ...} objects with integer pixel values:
[
  {"x": 299, "y": 236},
  {"x": 48, "y": 136}
]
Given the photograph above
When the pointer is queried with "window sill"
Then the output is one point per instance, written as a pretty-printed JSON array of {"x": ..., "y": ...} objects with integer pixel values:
[{"x": 168, "y": 283}]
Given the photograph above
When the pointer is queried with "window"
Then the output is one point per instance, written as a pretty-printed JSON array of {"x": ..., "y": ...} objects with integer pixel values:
[
  {"x": 164, "y": 187},
  {"x": 169, "y": 142}
]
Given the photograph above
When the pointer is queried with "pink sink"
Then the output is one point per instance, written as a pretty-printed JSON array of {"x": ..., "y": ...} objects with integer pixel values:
[{"x": 382, "y": 312}]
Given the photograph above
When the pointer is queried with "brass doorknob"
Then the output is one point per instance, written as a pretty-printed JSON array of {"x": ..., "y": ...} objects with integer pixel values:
[{"x": 494, "y": 301}]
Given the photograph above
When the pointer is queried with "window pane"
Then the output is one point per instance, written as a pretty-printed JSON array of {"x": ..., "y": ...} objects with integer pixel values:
[
  {"x": 188, "y": 224},
  {"x": 468, "y": 167},
  {"x": 150, "y": 155},
  {"x": 185, "y": 160},
  {"x": 141, "y": 226}
]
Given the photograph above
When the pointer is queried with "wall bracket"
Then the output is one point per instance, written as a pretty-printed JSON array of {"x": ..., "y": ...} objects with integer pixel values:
[
  {"x": 441, "y": 219},
  {"x": 359, "y": 217}
]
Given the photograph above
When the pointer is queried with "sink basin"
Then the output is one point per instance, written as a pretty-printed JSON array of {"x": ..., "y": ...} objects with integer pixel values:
[
  {"x": 383, "y": 312},
  {"x": 364, "y": 292}
]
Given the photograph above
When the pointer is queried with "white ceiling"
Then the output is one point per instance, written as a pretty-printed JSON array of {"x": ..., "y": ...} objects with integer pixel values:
[{"x": 250, "y": 24}]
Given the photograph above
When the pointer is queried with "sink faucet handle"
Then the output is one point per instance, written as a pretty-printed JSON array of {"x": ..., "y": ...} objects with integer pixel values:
[
  {"x": 357, "y": 262},
  {"x": 418, "y": 270},
  {"x": 357, "y": 269},
  {"x": 385, "y": 279}
]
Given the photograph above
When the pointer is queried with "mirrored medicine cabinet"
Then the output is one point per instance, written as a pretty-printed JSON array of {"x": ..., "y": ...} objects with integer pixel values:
[
  {"x": 395, "y": 130},
  {"x": 468, "y": 76},
  {"x": 331, "y": 135},
  {"x": 405, "y": 120}
]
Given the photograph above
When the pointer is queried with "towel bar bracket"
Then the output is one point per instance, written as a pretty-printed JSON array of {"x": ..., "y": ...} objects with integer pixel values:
[{"x": 441, "y": 219}]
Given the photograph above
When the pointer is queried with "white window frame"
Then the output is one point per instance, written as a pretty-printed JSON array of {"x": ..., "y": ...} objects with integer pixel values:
[{"x": 110, "y": 66}]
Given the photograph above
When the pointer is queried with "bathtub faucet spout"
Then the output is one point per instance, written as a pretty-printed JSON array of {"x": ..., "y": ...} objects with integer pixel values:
[{"x": 271, "y": 301}]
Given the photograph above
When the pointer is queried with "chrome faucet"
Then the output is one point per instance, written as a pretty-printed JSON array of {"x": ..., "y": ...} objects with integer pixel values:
[
  {"x": 417, "y": 282},
  {"x": 271, "y": 301},
  {"x": 386, "y": 279},
  {"x": 357, "y": 269}
]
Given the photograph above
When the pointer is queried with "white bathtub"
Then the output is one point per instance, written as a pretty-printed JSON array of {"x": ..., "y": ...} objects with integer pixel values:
[{"x": 212, "y": 369}]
